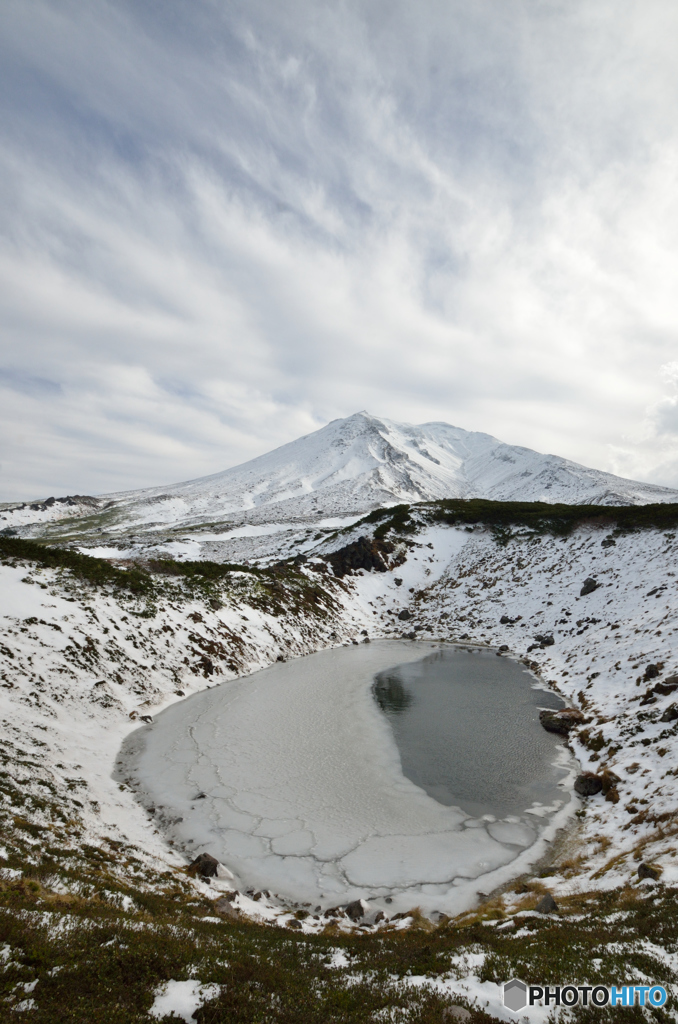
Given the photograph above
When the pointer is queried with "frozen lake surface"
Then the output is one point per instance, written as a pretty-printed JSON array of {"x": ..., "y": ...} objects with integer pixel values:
[{"x": 293, "y": 779}]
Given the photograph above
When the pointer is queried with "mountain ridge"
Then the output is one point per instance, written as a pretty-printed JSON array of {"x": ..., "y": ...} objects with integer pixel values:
[{"x": 345, "y": 469}]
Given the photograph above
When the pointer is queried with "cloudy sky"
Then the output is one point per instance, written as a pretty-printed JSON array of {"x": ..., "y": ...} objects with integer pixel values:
[{"x": 225, "y": 223}]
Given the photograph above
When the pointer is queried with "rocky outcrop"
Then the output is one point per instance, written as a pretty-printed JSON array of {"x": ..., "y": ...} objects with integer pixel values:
[{"x": 365, "y": 553}]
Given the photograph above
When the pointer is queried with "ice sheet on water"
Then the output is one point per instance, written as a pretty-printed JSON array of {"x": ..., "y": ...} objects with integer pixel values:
[{"x": 303, "y": 788}]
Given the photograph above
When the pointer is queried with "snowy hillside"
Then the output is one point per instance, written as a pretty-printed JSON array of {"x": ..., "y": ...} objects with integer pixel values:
[
  {"x": 346, "y": 468},
  {"x": 87, "y": 666}
]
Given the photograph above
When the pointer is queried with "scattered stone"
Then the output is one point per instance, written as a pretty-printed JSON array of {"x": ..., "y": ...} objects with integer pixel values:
[
  {"x": 652, "y": 871},
  {"x": 671, "y": 714},
  {"x": 547, "y": 905},
  {"x": 588, "y": 784},
  {"x": 204, "y": 865},
  {"x": 355, "y": 910},
  {"x": 589, "y": 586}
]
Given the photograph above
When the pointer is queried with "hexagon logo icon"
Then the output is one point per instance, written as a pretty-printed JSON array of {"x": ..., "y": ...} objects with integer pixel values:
[{"x": 515, "y": 995}]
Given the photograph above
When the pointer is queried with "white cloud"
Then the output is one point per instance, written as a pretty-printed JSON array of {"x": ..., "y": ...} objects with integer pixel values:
[{"x": 228, "y": 224}]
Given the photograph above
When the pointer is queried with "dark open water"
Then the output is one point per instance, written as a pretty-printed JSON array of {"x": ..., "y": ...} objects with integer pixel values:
[{"x": 467, "y": 727}]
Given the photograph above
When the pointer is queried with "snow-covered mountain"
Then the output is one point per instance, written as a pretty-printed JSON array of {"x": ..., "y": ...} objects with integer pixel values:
[{"x": 349, "y": 467}]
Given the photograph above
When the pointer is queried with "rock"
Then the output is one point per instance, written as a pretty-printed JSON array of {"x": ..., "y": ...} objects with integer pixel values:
[
  {"x": 547, "y": 905},
  {"x": 398, "y": 583},
  {"x": 560, "y": 721},
  {"x": 180, "y": 693},
  {"x": 456, "y": 1013},
  {"x": 504, "y": 647},
  {"x": 225, "y": 908},
  {"x": 589, "y": 586},
  {"x": 404, "y": 615},
  {"x": 294, "y": 923},
  {"x": 380, "y": 916},
  {"x": 145, "y": 718},
  {"x": 671, "y": 713},
  {"x": 355, "y": 910},
  {"x": 652, "y": 871},
  {"x": 204, "y": 865},
  {"x": 668, "y": 686},
  {"x": 588, "y": 784},
  {"x": 651, "y": 672}
]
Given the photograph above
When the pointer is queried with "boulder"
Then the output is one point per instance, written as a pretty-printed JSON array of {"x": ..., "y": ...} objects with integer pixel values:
[
  {"x": 560, "y": 721},
  {"x": 546, "y": 905},
  {"x": 204, "y": 865},
  {"x": 589, "y": 586},
  {"x": 355, "y": 910},
  {"x": 588, "y": 784},
  {"x": 652, "y": 871}
]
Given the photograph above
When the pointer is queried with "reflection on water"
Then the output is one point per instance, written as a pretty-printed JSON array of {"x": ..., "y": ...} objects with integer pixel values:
[
  {"x": 467, "y": 728},
  {"x": 391, "y": 695}
]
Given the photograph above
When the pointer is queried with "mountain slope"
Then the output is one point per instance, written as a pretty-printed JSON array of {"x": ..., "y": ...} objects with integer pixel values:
[{"x": 355, "y": 464}]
